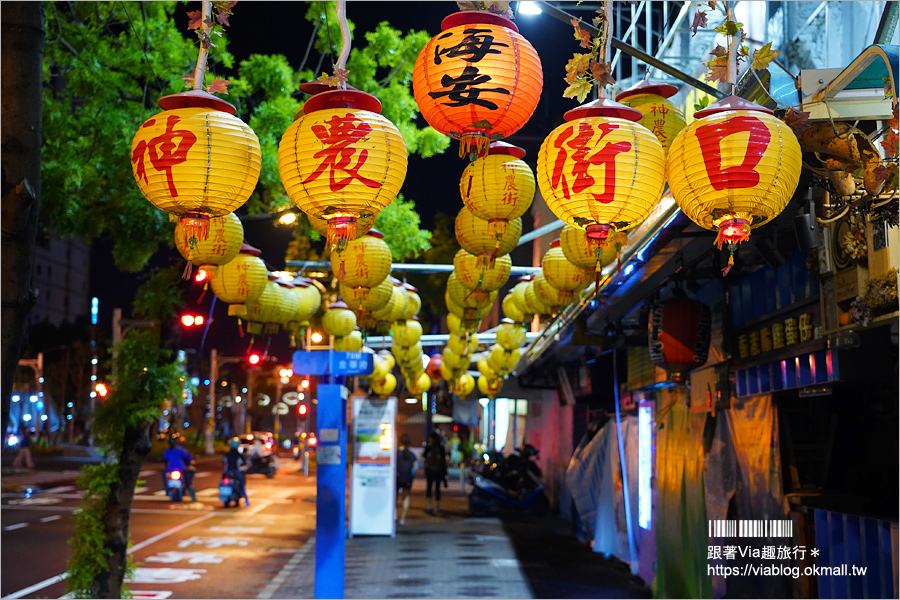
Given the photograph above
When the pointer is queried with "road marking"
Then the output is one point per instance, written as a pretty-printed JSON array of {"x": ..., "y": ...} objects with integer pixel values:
[
  {"x": 164, "y": 575},
  {"x": 50, "y": 518},
  {"x": 16, "y": 526},
  {"x": 143, "y": 474},
  {"x": 202, "y": 474},
  {"x": 208, "y": 492},
  {"x": 258, "y": 507},
  {"x": 288, "y": 569},
  {"x": 160, "y": 493},
  {"x": 140, "y": 490},
  {"x": 60, "y": 489},
  {"x": 38, "y": 586}
]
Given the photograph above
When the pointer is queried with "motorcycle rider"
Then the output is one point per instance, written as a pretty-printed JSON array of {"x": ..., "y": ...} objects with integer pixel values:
[
  {"x": 234, "y": 462},
  {"x": 177, "y": 458}
]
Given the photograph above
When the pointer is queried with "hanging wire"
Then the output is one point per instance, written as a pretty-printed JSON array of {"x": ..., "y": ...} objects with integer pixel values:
[
  {"x": 143, "y": 43},
  {"x": 208, "y": 322}
]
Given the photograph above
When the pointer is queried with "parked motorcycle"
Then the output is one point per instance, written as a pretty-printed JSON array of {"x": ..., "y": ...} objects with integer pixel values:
[
  {"x": 230, "y": 489},
  {"x": 262, "y": 464},
  {"x": 508, "y": 482},
  {"x": 175, "y": 485}
]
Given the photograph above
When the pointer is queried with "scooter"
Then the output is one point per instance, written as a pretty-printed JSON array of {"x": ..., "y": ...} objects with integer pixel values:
[
  {"x": 489, "y": 496},
  {"x": 175, "y": 485},
  {"x": 230, "y": 489},
  {"x": 262, "y": 464}
]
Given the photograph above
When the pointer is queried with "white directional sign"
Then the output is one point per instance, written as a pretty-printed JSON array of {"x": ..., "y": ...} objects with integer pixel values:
[
  {"x": 164, "y": 575},
  {"x": 262, "y": 400},
  {"x": 193, "y": 558},
  {"x": 212, "y": 543}
]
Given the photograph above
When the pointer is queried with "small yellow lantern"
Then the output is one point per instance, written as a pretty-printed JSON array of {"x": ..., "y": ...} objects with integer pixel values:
[
  {"x": 518, "y": 298},
  {"x": 489, "y": 388},
  {"x": 734, "y": 168},
  {"x": 263, "y": 312},
  {"x": 587, "y": 252},
  {"x": 388, "y": 358},
  {"x": 563, "y": 275},
  {"x": 464, "y": 386},
  {"x": 340, "y": 160},
  {"x": 485, "y": 369},
  {"x": 503, "y": 361},
  {"x": 226, "y": 234},
  {"x": 384, "y": 387},
  {"x": 413, "y": 302},
  {"x": 661, "y": 117},
  {"x": 546, "y": 294},
  {"x": 450, "y": 374},
  {"x": 377, "y": 298},
  {"x": 408, "y": 334},
  {"x": 393, "y": 310},
  {"x": 195, "y": 160},
  {"x": 290, "y": 302},
  {"x": 454, "y": 360},
  {"x": 379, "y": 367},
  {"x": 468, "y": 298},
  {"x": 240, "y": 280},
  {"x": 474, "y": 236},
  {"x": 481, "y": 280},
  {"x": 364, "y": 263},
  {"x": 510, "y": 335},
  {"x": 498, "y": 187},
  {"x": 352, "y": 342},
  {"x": 532, "y": 302},
  {"x": 511, "y": 309},
  {"x": 339, "y": 320},
  {"x": 420, "y": 384},
  {"x": 462, "y": 343}
]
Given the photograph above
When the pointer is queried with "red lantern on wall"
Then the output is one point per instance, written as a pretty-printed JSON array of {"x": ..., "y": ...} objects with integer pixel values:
[
  {"x": 679, "y": 331},
  {"x": 478, "y": 80}
]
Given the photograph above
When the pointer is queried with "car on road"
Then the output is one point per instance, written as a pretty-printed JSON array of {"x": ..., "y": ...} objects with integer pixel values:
[{"x": 249, "y": 439}]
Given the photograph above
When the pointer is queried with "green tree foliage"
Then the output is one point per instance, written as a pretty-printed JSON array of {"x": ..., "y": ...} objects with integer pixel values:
[{"x": 402, "y": 221}]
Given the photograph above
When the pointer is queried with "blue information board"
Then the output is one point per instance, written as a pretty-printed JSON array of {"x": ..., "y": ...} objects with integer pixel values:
[{"x": 329, "y": 362}]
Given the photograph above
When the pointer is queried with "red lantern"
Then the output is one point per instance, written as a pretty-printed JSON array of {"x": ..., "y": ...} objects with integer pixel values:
[
  {"x": 679, "y": 336},
  {"x": 434, "y": 366}
]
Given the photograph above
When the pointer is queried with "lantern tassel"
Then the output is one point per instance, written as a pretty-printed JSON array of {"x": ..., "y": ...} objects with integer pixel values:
[
  {"x": 203, "y": 293},
  {"x": 474, "y": 145},
  {"x": 731, "y": 248},
  {"x": 240, "y": 327},
  {"x": 186, "y": 274}
]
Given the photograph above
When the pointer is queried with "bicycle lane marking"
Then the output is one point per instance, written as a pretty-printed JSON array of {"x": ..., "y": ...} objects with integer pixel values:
[{"x": 57, "y": 578}]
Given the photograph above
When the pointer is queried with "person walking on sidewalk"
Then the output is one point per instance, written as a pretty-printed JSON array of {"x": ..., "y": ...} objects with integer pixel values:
[
  {"x": 406, "y": 472},
  {"x": 24, "y": 453},
  {"x": 435, "y": 471}
]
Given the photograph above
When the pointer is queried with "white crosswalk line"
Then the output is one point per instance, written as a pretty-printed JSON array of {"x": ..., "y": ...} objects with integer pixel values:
[
  {"x": 60, "y": 489},
  {"x": 208, "y": 492},
  {"x": 140, "y": 490},
  {"x": 50, "y": 518},
  {"x": 16, "y": 526}
]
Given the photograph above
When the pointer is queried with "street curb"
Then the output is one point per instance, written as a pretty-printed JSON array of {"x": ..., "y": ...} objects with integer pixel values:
[{"x": 288, "y": 569}]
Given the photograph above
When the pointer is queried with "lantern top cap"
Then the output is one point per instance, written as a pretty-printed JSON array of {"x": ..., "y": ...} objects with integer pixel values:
[
  {"x": 284, "y": 283},
  {"x": 499, "y": 148},
  {"x": 603, "y": 107},
  {"x": 195, "y": 99},
  {"x": 342, "y": 99},
  {"x": 410, "y": 288},
  {"x": 526, "y": 278},
  {"x": 317, "y": 87},
  {"x": 648, "y": 87},
  {"x": 507, "y": 321},
  {"x": 375, "y": 233},
  {"x": 555, "y": 243},
  {"x": 248, "y": 249},
  {"x": 273, "y": 277},
  {"x": 471, "y": 17},
  {"x": 731, "y": 103},
  {"x": 340, "y": 304}
]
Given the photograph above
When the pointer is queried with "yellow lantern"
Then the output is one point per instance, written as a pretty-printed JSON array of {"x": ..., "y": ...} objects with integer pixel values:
[
  {"x": 408, "y": 334},
  {"x": 734, "y": 168},
  {"x": 589, "y": 253},
  {"x": 352, "y": 342},
  {"x": 478, "y": 80},
  {"x": 290, "y": 302},
  {"x": 450, "y": 374},
  {"x": 377, "y": 298},
  {"x": 340, "y": 160},
  {"x": 510, "y": 335},
  {"x": 379, "y": 367},
  {"x": 474, "y": 237},
  {"x": 601, "y": 171},
  {"x": 481, "y": 280},
  {"x": 195, "y": 160},
  {"x": 320, "y": 226},
  {"x": 462, "y": 343},
  {"x": 503, "y": 361},
  {"x": 454, "y": 360},
  {"x": 546, "y": 294},
  {"x": 489, "y": 388},
  {"x": 393, "y": 310},
  {"x": 388, "y": 358},
  {"x": 498, "y": 187},
  {"x": 511, "y": 310},
  {"x": 563, "y": 275},
  {"x": 420, "y": 384},
  {"x": 485, "y": 369},
  {"x": 468, "y": 298},
  {"x": 310, "y": 299},
  {"x": 364, "y": 263},
  {"x": 519, "y": 300},
  {"x": 226, "y": 234},
  {"x": 464, "y": 386},
  {"x": 265, "y": 310},
  {"x": 339, "y": 320},
  {"x": 532, "y": 302},
  {"x": 240, "y": 280},
  {"x": 413, "y": 302},
  {"x": 660, "y": 116},
  {"x": 384, "y": 387}
]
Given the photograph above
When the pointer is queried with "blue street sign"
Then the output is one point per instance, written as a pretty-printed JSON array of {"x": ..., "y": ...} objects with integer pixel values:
[{"x": 329, "y": 362}]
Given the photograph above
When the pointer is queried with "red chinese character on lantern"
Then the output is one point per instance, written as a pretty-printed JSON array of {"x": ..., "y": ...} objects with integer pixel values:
[
  {"x": 581, "y": 161},
  {"x": 339, "y": 135},
  {"x": 510, "y": 189},
  {"x": 743, "y": 175},
  {"x": 164, "y": 153}
]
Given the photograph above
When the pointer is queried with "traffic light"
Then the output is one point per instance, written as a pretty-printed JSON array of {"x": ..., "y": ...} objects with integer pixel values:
[
  {"x": 286, "y": 373},
  {"x": 302, "y": 410},
  {"x": 202, "y": 275},
  {"x": 191, "y": 320},
  {"x": 254, "y": 359},
  {"x": 102, "y": 389},
  {"x": 304, "y": 383}
]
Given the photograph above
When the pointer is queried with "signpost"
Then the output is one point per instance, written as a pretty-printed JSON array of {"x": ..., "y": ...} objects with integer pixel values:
[{"x": 331, "y": 458}]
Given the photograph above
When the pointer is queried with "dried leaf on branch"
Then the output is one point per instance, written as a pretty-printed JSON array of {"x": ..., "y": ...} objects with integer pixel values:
[
  {"x": 699, "y": 22},
  {"x": 763, "y": 57},
  {"x": 797, "y": 121},
  {"x": 218, "y": 86}
]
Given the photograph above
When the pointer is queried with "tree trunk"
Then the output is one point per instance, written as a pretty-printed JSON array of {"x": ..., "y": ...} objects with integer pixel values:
[
  {"x": 136, "y": 446},
  {"x": 21, "y": 58}
]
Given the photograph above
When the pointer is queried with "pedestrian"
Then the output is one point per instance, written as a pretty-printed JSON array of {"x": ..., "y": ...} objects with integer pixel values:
[
  {"x": 24, "y": 453},
  {"x": 234, "y": 463},
  {"x": 435, "y": 471},
  {"x": 177, "y": 458},
  {"x": 406, "y": 472}
]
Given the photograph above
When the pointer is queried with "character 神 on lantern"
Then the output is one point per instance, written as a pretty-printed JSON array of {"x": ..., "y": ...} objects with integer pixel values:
[
  {"x": 478, "y": 80},
  {"x": 195, "y": 160},
  {"x": 661, "y": 117},
  {"x": 734, "y": 168},
  {"x": 340, "y": 161},
  {"x": 601, "y": 171}
]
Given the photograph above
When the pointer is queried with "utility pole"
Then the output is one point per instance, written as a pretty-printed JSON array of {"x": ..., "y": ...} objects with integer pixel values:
[
  {"x": 251, "y": 376},
  {"x": 215, "y": 363}
]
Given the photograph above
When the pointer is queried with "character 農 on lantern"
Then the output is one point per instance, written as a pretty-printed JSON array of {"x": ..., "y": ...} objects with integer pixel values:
[
  {"x": 498, "y": 188},
  {"x": 661, "y": 117},
  {"x": 478, "y": 80},
  {"x": 240, "y": 280},
  {"x": 734, "y": 168},
  {"x": 195, "y": 160},
  {"x": 340, "y": 160},
  {"x": 601, "y": 171}
]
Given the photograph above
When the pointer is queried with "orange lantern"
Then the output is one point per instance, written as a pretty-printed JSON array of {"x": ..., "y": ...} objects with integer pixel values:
[
  {"x": 226, "y": 234},
  {"x": 563, "y": 275},
  {"x": 434, "y": 366},
  {"x": 474, "y": 237},
  {"x": 364, "y": 263},
  {"x": 339, "y": 320},
  {"x": 240, "y": 280},
  {"x": 264, "y": 311},
  {"x": 340, "y": 160},
  {"x": 661, "y": 117},
  {"x": 601, "y": 171},
  {"x": 679, "y": 332},
  {"x": 481, "y": 281},
  {"x": 478, "y": 80},
  {"x": 498, "y": 187},
  {"x": 733, "y": 169},
  {"x": 195, "y": 160}
]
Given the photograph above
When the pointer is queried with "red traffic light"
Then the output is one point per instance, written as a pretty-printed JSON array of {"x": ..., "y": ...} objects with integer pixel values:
[
  {"x": 301, "y": 410},
  {"x": 202, "y": 275},
  {"x": 253, "y": 359},
  {"x": 191, "y": 320},
  {"x": 304, "y": 383}
]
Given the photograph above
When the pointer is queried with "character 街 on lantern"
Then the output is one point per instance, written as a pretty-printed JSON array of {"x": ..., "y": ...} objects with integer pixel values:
[
  {"x": 478, "y": 80},
  {"x": 734, "y": 168},
  {"x": 340, "y": 160},
  {"x": 679, "y": 332},
  {"x": 195, "y": 160}
]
